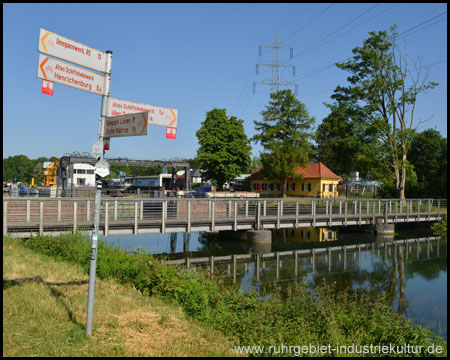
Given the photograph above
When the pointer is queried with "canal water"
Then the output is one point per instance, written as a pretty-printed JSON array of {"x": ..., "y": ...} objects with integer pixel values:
[{"x": 412, "y": 274}]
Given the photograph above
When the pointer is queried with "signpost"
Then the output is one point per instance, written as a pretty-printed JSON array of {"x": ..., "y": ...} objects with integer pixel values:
[
  {"x": 61, "y": 47},
  {"x": 118, "y": 117},
  {"x": 67, "y": 74},
  {"x": 157, "y": 115},
  {"x": 126, "y": 125}
]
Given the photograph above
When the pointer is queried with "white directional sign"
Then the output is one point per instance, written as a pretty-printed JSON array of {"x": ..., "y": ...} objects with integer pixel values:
[
  {"x": 67, "y": 74},
  {"x": 101, "y": 168},
  {"x": 61, "y": 47},
  {"x": 126, "y": 125},
  {"x": 97, "y": 149},
  {"x": 157, "y": 115}
]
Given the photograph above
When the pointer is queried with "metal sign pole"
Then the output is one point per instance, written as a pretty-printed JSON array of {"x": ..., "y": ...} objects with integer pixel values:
[{"x": 98, "y": 195}]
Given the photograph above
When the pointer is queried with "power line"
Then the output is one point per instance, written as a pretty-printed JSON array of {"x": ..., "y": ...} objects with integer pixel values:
[
  {"x": 434, "y": 17},
  {"x": 426, "y": 27},
  {"x": 300, "y": 12},
  {"x": 302, "y": 27},
  {"x": 335, "y": 31},
  {"x": 362, "y": 23}
]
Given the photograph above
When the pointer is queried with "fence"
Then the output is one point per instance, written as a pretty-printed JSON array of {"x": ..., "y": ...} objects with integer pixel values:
[{"x": 72, "y": 213}]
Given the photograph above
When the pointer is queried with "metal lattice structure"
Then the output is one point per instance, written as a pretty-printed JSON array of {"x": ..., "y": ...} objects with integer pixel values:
[{"x": 276, "y": 64}]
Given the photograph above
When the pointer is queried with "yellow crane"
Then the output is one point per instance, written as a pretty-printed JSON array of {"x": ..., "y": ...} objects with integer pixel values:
[{"x": 50, "y": 173}]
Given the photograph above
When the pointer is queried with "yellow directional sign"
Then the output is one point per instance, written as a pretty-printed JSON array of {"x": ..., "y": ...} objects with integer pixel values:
[
  {"x": 61, "y": 47},
  {"x": 126, "y": 125},
  {"x": 157, "y": 115},
  {"x": 64, "y": 73}
]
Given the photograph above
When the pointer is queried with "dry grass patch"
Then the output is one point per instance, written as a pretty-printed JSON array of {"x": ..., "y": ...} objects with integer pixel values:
[{"x": 44, "y": 314}]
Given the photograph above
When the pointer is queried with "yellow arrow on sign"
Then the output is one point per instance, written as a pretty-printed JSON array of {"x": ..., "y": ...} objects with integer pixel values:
[
  {"x": 43, "y": 43},
  {"x": 145, "y": 124},
  {"x": 42, "y": 67},
  {"x": 174, "y": 117}
]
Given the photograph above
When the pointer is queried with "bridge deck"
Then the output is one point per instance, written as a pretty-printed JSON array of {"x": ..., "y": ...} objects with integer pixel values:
[{"x": 22, "y": 217}]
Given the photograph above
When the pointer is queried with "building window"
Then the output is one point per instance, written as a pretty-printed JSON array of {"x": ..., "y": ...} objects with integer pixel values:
[
  {"x": 277, "y": 186},
  {"x": 81, "y": 171},
  {"x": 271, "y": 187},
  {"x": 306, "y": 187},
  {"x": 254, "y": 186},
  {"x": 81, "y": 181},
  {"x": 264, "y": 187},
  {"x": 325, "y": 187},
  {"x": 292, "y": 186},
  {"x": 89, "y": 171}
]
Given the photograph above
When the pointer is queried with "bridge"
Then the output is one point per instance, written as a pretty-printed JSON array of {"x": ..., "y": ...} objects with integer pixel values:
[{"x": 25, "y": 217}]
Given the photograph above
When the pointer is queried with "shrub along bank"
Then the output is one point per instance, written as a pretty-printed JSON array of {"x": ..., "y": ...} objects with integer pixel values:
[{"x": 322, "y": 316}]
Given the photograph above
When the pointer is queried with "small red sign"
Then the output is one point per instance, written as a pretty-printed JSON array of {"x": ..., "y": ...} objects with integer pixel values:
[
  {"x": 171, "y": 133},
  {"x": 106, "y": 143},
  {"x": 47, "y": 87}
]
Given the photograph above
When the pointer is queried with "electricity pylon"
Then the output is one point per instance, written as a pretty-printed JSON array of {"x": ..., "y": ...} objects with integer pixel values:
[{"x": 276, "y": 81}]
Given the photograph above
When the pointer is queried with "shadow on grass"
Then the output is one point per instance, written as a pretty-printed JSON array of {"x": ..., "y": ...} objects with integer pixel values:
[{"x": 57, "y": 294}]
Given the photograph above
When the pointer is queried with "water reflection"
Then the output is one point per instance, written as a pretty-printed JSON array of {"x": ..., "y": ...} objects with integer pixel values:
[{"x": 410, "y": 268}]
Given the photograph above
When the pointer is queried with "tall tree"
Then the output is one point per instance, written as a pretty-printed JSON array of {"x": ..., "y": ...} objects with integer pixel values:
[
  {"x": 224, "y": 151},
  {"x": 284, "y": 133},
  {"x": 342, "y": 142},
  {"x": 380, "y": 89},
  {"x": 428, "y": 154}
]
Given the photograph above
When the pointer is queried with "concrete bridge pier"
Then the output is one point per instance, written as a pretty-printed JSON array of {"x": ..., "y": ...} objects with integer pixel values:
[
  {"x": 385, "y": 229},
  {"x": 260, "y": 240},
  {"x": 259, "y": 236}
]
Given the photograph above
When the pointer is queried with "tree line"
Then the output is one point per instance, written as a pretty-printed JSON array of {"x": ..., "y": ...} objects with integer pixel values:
[{"x": 370, "y": 129}]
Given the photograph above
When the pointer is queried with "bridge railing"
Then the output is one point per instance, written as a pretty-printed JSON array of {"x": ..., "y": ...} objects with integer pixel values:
[{"x": 75, "y": 212}]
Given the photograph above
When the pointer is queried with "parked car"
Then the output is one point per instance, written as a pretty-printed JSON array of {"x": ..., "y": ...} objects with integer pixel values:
[{"x": 200, "y": 192}]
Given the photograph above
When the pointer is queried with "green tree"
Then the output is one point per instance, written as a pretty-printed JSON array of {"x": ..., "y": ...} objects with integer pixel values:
[
  {"x": 18, "y": 168},
  {"x": 224, "y": 150},
  {"x": 284, "y": 133},
  {"x": 38, "y": 173},
  {"x": 379, "y": 88},
  {"x": 342, "y": 143},
  {"x": 428, "y": 154}
]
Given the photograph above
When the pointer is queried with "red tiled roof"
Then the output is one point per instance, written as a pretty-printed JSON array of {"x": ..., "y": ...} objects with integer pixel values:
[{"x": 312, "y": 171}]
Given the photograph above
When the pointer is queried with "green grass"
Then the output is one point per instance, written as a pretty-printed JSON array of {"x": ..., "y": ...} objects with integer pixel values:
[
  {"x": 322, "y": 315},
  {"x": 44, "y": 314}
]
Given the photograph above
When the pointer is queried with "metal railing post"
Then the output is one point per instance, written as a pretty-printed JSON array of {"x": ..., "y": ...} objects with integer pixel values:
[
  {"x": 189, "y": 216},
  {"x": 278, "y": 214},
  {"x": 313, "y": 210},
  {"x": 136, "y": 218},
  {"x": 213, "y": 216},
  {"x": 5, "y": 218},
  {"x": 41, "y": 218},
  {"x": 163, "y": 216},
  {"x": 106, "y": 218},
  {"x": 28, "y": 211},
  {"x": 235, "y": 215},
  {"x": 75, "y": 209},
  {"x": 345, "y": 212}
]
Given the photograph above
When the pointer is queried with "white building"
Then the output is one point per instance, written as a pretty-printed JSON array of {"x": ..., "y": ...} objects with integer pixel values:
[{"x": 81, "y": 175}]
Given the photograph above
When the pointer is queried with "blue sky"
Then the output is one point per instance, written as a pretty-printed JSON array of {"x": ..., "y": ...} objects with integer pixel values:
[{"x": 196, "y": 57}]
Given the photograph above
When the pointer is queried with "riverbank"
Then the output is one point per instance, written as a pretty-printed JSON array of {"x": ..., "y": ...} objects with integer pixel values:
[
  {"x": 322, "y": 316},
  {"x": 44, "y": 314}
]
